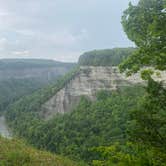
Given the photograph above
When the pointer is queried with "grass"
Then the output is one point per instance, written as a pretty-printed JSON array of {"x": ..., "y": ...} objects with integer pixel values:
[{"x": 17, "y": 153}]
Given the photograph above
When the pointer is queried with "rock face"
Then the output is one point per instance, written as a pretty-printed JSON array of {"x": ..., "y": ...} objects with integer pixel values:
[{"x": 88, "y": 81}]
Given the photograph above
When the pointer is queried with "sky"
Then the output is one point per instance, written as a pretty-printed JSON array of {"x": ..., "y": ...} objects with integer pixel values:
[{"x": 60, "y": 29}]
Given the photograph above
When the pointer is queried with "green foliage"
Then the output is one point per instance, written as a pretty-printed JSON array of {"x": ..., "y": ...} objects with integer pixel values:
[
  {"x": 146, "y": 74},
  {"x": 146, "y": 128},
  {"x": 18, "y": 153},
  {"x": 109, "y": 57},
  {"x": 90, "y": 124},
  {"x": 145, "y": 25},
  {"x": 25, "y": 111},
  {"x": 12, "y": 89},
  {"x": 129, "y": 154},
  {"x": 148, "y": 121}
]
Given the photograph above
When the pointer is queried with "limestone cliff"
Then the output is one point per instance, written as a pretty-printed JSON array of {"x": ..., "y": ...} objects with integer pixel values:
[{"x": 87, "y": 82}]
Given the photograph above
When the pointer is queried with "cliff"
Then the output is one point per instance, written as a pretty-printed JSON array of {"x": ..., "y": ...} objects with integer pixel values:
[{"x": 87, "y": 82}]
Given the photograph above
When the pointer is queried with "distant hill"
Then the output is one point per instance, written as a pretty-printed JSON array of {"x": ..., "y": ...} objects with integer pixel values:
[
  {"x": 44, "y": 70},
  {"x": 107, "y": 57},
  {"x": 31, "y": 63},
  {"x": 17, "y": 153},
  {"x": 20, "y": 77}
]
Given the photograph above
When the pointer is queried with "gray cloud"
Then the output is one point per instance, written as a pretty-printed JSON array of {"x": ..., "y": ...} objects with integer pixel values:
[{"x": 60, "y": 29}]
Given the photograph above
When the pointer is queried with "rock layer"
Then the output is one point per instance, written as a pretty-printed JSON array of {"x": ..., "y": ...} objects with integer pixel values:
[{"x": 87, "y": 83}]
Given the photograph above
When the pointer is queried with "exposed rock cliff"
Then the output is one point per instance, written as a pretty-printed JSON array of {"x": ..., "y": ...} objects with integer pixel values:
[{"x": 88, "y": 81}]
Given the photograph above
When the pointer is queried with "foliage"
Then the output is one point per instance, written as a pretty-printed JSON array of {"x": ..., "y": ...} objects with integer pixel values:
[
  {"x": 146, "y": 128},
  {"x": 13, "y": 86},
  {"x": 90, "y": 124},
  {"x": 12, "y": 89},
  {"x": 145, "y": 25},
  {"x": 129, "y": 154},
  {"x": 148, "y": 121},
  {"x": 108, "y": 57},
  {"x": 18, "y": 153},
  {"x": 31, "y": 104}
]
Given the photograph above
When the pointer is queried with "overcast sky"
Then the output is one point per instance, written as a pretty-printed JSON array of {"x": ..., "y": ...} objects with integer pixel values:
[{"x": 60, "y": 29}]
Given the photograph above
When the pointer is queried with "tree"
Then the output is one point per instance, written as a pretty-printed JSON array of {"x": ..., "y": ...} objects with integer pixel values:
[
  {"x": 148, "y": 121},
  {"x": 145, "y": 25}
]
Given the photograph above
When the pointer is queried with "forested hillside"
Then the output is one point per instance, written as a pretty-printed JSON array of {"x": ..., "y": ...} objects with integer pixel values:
[
  {"x": 20, "y": 77},
  {"x": 90, "y": 125},
  {"x": 12, "y": 89},
  {"x": 108, "y": 57}
]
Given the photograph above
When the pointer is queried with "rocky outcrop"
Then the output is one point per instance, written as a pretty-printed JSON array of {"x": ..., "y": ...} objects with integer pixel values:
[{"x": 87, "y": 82}]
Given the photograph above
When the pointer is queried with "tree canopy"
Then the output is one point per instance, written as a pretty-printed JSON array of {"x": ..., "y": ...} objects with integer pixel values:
[
  {"x": 145, "y": 25},
  {"x": 107, "y": 57}
]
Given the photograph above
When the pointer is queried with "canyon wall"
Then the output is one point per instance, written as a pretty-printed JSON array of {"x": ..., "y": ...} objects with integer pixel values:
[{"x": 87, "y": 82}]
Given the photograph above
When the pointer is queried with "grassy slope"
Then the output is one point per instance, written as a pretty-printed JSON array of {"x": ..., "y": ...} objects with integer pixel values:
[{"x": 17, "y": 153}]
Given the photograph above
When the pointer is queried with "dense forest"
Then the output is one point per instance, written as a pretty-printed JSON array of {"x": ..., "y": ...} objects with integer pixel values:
[
  {"x": 19, "y": 88},
  {"x": 89, "y": 125},
  {"x": 108, "y": 57},
  {"x": 126, "y": 127}
]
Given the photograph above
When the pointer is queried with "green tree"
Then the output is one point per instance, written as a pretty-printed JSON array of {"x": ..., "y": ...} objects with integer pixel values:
[
  {"x": 145, "y": 25},
  {"x": 148, "y": 121}
]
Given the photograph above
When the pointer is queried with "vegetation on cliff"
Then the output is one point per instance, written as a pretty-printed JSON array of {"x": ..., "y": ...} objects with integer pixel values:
[{"x": 108, "y": 57}]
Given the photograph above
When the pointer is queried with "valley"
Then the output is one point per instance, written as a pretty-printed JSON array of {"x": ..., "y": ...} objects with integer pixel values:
[
  {"x": 90, "y": 107},
  {"x": 102, "y": 107}
]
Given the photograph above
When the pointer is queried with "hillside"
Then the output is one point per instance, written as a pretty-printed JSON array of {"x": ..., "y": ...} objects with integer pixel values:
[
  {"x": 90, "y": 124},
  {"x": 74, "y": 133},
  {"x": 24, "y": 76},
  {"x": 43, "y": 70},
  {"x": 107, "y": 57},
  {"x": 17, "y": 153}
]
